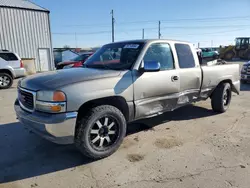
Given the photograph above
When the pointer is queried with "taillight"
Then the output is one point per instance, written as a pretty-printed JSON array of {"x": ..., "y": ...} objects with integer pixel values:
[
  {"x": 21, "y": 64},
  {"x": 78, "y": 64}
]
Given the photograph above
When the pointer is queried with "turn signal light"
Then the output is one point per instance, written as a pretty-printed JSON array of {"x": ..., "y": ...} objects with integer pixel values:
[{"x": 55, "y": 108}]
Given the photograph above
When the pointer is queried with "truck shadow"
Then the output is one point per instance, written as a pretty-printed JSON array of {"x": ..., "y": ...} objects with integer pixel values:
[
  {"x": 25, "y": 155},
  {"x": 181, "y": 114}
]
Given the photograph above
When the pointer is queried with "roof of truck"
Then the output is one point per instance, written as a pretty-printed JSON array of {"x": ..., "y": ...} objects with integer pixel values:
[{"x": 151, "y": 40}]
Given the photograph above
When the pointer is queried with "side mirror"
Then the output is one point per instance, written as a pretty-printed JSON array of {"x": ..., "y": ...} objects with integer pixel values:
[{"x": 150, "y": 66}]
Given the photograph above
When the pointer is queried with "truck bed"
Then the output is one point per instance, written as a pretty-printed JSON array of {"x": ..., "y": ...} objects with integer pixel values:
[{"x": 214, "y": 73}]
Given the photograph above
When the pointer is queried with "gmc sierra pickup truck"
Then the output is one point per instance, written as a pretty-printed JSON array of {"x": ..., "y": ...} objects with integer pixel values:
[{"x": 120, "y": 83}]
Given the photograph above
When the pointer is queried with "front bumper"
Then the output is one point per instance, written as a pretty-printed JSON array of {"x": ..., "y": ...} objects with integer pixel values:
[
  {"x": 57, "y": 128},
  {"x": 245, "y": 77},
  {"x": 19, "y": 72}
]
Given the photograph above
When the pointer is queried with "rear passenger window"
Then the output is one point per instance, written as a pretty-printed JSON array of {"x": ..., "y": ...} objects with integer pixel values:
[
  {"x": 8, "y": 56},
  {"x": 160, "y": 52},
  {"x": 185, "y": 56}
]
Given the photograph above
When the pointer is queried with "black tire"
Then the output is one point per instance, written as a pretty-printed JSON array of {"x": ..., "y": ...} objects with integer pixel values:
[
  {"x": 219, "y": 102},
  {"x": 3, "y": 78},
  {"x": 229, "y": 55},
  {"x": 84, "y": 140},
  {"x": 248, "y": 55},
  {"x": 215, "y": 56}
]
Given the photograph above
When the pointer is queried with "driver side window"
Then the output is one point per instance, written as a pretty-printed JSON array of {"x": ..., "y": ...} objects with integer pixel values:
[{"x": 160, "y": 52}]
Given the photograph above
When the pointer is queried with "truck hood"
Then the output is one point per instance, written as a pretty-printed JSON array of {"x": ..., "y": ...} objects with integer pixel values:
[
  {"x": 247, "y": 63},
  {"x": 56, "y": 79}
]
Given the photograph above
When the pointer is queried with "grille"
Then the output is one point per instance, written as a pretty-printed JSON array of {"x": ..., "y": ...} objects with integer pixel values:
[
  {"x": 26, "y": 98},
  {"x": 248, "y": 70}
]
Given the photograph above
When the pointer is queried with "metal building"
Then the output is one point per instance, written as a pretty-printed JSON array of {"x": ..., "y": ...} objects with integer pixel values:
[{"x": 25, "y": 30}]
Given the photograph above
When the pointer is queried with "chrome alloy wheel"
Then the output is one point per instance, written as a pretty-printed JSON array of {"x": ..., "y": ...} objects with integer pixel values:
[
  {"x": 4, "y": 81},
  {"x": 104, "y": 133}
]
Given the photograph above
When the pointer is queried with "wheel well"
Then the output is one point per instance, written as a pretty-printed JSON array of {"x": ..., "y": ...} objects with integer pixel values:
[
  {"x": 6, "y": 71},
  {"x": 223, "y": 81},
  {"x": 118, "y": 102}
]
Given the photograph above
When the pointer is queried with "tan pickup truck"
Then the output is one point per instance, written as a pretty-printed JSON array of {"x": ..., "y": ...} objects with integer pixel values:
[{"x": 121, "y": 82}]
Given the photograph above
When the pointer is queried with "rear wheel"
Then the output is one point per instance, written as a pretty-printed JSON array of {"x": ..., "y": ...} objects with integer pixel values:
[
  {"x": 100, "y": 132},
  {"x": 221, "y": 97},
  {"x": 6, "y": 81}
]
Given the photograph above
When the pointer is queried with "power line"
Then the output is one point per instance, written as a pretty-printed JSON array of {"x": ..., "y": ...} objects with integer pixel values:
[
  {"x": 206, "y": 26},
  {"x": 91, "y": 33},
  {"x": 163, "y": 21},
  {"x": 188, "y": 19},
  {"x": 162, "y": 28}
]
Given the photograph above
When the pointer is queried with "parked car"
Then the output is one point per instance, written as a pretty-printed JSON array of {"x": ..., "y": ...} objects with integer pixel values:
[
  {"x": 91, "y": 106},
  {"x": 245, "y": 72},
  {"x": 210, "y": 53},
  {"x": 76, "y": 62},
  {"x": 11, "y": 67}
]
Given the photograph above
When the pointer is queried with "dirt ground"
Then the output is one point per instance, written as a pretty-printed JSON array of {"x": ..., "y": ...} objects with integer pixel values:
[{"x": 192, "y": 147}]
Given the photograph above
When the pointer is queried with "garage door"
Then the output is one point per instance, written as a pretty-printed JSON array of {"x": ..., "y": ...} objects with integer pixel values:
[{"x": 44, "y": 59}]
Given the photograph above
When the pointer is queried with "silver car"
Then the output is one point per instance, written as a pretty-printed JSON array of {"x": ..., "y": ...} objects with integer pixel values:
[{"x": 11, "y": 67}]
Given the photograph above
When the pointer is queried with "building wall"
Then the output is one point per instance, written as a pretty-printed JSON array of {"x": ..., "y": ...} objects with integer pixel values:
[{"x": 24, "y": 32}]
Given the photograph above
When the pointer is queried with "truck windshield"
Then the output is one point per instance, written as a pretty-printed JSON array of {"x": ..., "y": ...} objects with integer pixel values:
[
  {"x": 116, "y": 56},
  {"x": 238, "y": 42}
]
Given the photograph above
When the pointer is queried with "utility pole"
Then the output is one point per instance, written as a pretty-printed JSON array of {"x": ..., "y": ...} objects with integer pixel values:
[
  {"x": 142, "y": 33},
  {"x": 212, "y": 43},
  {"x": 76, "y": 39},
  {"x": 198, "y": 45},
  {"x": 113, "y": 25},
  {"x": 159, "y": 30}
]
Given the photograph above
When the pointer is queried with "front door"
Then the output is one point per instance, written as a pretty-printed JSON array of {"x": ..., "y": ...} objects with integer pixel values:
[
  {"x": 156, "y": 92},
  {"x": 44, "y": 59}
]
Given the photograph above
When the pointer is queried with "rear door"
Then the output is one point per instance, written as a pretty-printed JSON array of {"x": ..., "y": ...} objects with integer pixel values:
[
  {"x": 189, "y": 72},
  {"x": 11, "y": 59},
  {"x": 156, "y": 92}
]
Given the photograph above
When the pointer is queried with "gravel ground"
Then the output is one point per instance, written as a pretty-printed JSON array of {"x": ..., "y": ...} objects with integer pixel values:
[{"x": 191, "y": 147}]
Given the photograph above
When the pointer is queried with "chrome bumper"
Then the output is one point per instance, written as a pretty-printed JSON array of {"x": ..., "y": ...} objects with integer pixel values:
[
  {"x": 245, "y": 77},
  {"x": 57, "y": 128}
]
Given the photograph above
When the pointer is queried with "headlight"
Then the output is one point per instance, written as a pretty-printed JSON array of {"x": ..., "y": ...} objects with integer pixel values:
[
  {"x": 244, "y": 69},
  {"x": 51, "y": 107},
  {"x": 51, "y": 101}
]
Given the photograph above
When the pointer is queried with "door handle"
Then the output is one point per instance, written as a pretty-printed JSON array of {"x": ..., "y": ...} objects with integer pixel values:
[{"x": 174, "y": 78}]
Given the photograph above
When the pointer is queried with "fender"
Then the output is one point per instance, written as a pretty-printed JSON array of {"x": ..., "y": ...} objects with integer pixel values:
[{"x": 8, "y": 68}]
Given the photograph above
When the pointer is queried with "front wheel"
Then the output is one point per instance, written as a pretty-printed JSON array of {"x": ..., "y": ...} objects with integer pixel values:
[
  {"x": 229, "y": 55},
  {"x": 100, "y": 132},
  {"x": 221, "y": 97}
]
